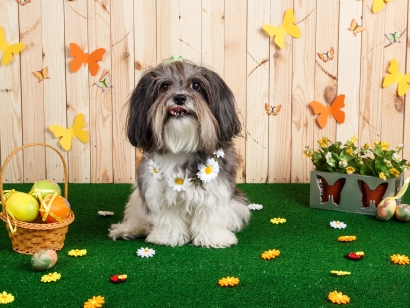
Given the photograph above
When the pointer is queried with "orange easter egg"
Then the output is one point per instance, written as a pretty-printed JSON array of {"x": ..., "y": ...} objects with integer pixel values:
[{"x": 59, "y": 208}]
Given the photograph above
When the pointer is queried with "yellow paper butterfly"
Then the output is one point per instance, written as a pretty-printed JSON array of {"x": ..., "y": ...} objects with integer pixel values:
[
  {"x": 8, "y": 50},
  {"x": 378, "y": 5},
  {"x": 396, "y": 76},
  {"x": 43, "y": 74},
  {"x": 286, "y": 28},
  {"x": 67, "y": 134},
  {"x": 354, "y": 26}
]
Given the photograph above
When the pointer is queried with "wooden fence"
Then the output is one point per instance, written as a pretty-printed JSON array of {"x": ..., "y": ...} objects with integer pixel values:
[{"x": 225, "y": 35}]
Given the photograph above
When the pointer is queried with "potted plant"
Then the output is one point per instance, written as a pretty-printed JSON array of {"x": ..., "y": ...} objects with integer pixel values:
[{"x": 352, "y": 179}]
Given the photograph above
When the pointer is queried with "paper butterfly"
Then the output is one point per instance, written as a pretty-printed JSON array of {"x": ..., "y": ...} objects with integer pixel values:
[
  {"x": 43, "y": 74},
  {"x": 355, "y": 27},
  {"x": 326, "y": 112},
  {"x": 286, "y": 28},
  {"x": 272, "y": 110},
  {"x": 327, "y": 55},
  {"x": 378, "y": 5},
  {"x": 373, "y": 196},
  {"x": 396, "y": 76},
  {"x": 393, "y": 37},
  {"x": 104, "y": 84},
  {"x": 330, "y": 191},
  {"x": 67, "y": 134},
  {"x": 9, "y": 50},
  {"x": 84, "y": 58},
  {"x": 23, "y": 2}
]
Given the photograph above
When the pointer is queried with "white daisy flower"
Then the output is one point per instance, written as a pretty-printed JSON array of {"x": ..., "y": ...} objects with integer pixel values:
[
  {"x": 338, "y": 225},
  {"x": 145, "y": 252},
  {"x": 105, "y": 213},
  {"x": 219, "y": 153},
  {"x": 329, "y": 159},
  {"x": 209, "y": 171},
  {"x": 178, "y": 182},
  {"x": 155, "y": 170},
  {"x": 254, "y": 206}
]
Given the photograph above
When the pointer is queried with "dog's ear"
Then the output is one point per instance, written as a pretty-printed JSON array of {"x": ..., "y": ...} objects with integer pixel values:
[
  {"x": 222, "y": 105},
  {"x": 139, "y": 130}
]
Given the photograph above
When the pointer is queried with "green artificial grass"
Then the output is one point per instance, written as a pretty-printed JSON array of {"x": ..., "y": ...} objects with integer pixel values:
[{"x": 187, "y": 276}]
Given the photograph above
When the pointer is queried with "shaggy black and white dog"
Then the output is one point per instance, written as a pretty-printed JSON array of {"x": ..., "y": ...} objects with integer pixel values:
[{"x": 183, "y": 117}]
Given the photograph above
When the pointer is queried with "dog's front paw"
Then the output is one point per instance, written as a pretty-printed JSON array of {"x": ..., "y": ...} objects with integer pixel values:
[
  {"x": 220, "y": 239},
  {"x": 127, "y": 231},
  {"x": 168, "y": 238}
]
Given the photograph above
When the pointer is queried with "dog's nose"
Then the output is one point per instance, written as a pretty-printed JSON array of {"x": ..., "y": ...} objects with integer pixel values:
[{"x": 180, "y": 99}]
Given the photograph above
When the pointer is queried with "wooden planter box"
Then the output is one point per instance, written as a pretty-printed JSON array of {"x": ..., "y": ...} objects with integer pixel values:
[{"x": 351, "y": 193}]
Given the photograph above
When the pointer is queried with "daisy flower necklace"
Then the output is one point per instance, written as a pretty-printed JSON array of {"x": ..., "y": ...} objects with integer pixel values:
[{"x": 207, "y": 172}]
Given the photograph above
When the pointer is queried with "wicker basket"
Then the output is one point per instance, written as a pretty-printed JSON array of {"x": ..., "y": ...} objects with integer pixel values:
[{"x": 32, "y": 236}]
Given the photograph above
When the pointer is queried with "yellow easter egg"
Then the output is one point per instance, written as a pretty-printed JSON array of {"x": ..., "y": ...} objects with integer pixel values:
[{"x": 22, "y": 206}]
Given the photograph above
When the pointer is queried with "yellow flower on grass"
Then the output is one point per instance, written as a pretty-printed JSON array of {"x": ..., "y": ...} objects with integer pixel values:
[
  {"x": 395, "y": 172},
  {"x": 382, "y": 176},
  {"x": 400, "y": 259},
  {"x": 340, "y": 273},
  {"x": 94, "y": 302},
  {"x": 350, "y": 170},
  {"x": 270, "y": 254},
  {"x": 338, "y": 298},
  {"x": 6, "y": 298},
  {"x": 346, "y": 238},
  {"x": 228, "y": 281},
  {"x": 51, "y": 277},
  {"x": 278, "y": 220},
  {"x": 77, "y": 252}
]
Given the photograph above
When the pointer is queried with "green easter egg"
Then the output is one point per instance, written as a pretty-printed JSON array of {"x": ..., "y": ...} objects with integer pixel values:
[
  {"x": 403, "y": 212},
  {"x": 44, "y": 259},
  {"x": 386, "y": 208},
  {"x": 22, "y": 206},
  {"x": 45, "y": 188}
]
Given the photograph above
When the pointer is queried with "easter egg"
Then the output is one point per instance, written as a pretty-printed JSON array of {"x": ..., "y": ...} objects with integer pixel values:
[
  {"x": 386, "y": 209},
  {"x": 45, "y": 188},
  {"x": 44, "y": 259},
  {"x": 59, "y": 207},
  {"x": 22, "y": 206},
  {"x": 403, "y": 212}
]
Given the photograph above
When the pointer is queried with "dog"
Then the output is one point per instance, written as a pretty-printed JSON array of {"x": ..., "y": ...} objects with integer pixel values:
[{"x": 183, "y": 117}]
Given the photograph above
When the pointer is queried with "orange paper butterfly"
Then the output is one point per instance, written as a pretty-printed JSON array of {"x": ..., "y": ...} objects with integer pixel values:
[
  {"x": 272, "y": 110},
  {"x": 326, "y": 112},
  {"x": 327, "y": 55},
  {"x": 355, "y": 27},
  {"x": 43, "y": 74},
  {"x": 84, "y": 58}
]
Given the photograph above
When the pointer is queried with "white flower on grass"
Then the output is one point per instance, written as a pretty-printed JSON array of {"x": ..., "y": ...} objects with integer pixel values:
[
  {"x": 329, "y": 159},
  {"x": 154, "y": 169},
  {"x": 178, "y": 182},
  {"x": 338, "y": 225},
  {"x": 145, "y": 252},
  {"x": 219, "y": 153},
  {"x": 105, "y": 213},
  {"x": 254, "y": 206},
  {"x": 209, "y": 171}
]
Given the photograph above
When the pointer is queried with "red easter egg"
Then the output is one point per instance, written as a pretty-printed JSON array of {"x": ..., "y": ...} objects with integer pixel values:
[{"x": 59, "y": 207}]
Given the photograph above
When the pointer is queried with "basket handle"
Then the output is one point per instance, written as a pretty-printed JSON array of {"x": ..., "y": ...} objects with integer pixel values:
[{"x": 3, "y": 169}]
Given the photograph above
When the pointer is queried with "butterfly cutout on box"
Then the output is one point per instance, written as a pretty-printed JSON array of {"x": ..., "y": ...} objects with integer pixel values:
[
  {"x": 287, "y": 27},
  {"x": 81, "y": 58},
  {"x": 326, "y": 112},
  {"x": 104, "y": 84},
  {"x": 330, "y": 191},
  {"x": 395, "y": 75},
  {"x": 272, "y": 110},
  {"x": 327, "y": 55},
  {"x": 378, "y": 5},
  {"x": 43, "y": 74},
  {"x": 371, "y": 196},
  {"x": 354, "y": 26},
  {"x": 23, "y": 2},
  {"x": 8, "y": 49},
  {"x": 67, "y": 134},
  {"x": 393, "y": 37}
]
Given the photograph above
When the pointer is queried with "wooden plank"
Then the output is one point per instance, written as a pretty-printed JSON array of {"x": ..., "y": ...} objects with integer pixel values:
[
  {"x": 122, "y": 41},
  {"x": 257, "y": 92},
  {"x": 348, "y": 56},
  {"x": 280, "y": 93},
  {"x": 235, "y": 69},
  {"x": 167, "y": 29},
  {"x": 406, "y": 134},
  {"x": 303, "y": 89},
  {"x": 78, "y": 98},
  {"x": 189, "y": 30},
  {"x": 100, "y": 127},
  {"x": 54, "y": 88},
  {"x": 11, "y": 134}
]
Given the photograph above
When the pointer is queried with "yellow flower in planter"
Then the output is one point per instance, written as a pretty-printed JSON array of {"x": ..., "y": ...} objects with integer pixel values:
[
  {"x": 270, "y": 254},
  {"x": 382, "y": 176},
  {"x": 400, "y": 259},
  {"x": 395, "y": 172},
  {"x": 6, "y": 298},
  {"x": 350, "y": 170},
  {"x": 338, "y": 298},
  {"x": 228, "y": 281},
  {"x": 94, "y": 302},
  {"x": 346, "y": 238}
]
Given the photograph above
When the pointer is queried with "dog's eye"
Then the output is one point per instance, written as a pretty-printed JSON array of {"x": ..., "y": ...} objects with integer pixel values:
[
  {"x": 165, "y": 86},
  {"x": 195, "y": 86}
]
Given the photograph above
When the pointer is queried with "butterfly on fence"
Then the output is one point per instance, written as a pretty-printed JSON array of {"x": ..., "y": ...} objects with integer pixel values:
[
  {"x": 67, "y": 134},
  {"x": 393, "y": 37},
  {"x": 396, "y": 76},
  {"x": 286, "y": 28},
  {"x": 330, "y": 191},
  {"x": 378, "y": 5},
  {"x": 370, "y": 196},
  {"x": 104, "y": 84},
  {"x": 272, "y": 110},
  {"x": 327, "y": 55},
  {"x": 355, "y": 27},
  {"x": 43, "y": 74},
  {"x": 326, "y": 112},
  {"x": 8, "y": 50},
  {"x": 23, "y": 2},
  {"x": 81, "y": 58}
]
